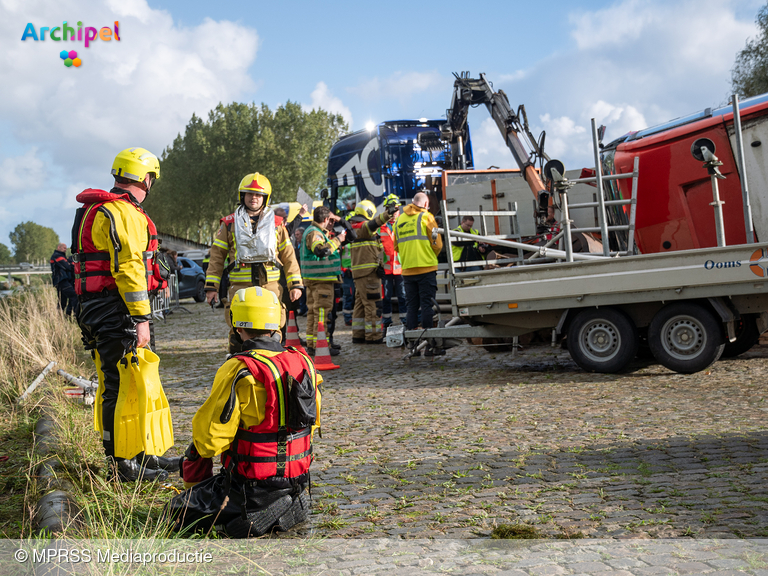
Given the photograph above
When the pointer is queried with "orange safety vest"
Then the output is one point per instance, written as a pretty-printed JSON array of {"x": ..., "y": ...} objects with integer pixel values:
[
  {"x": 392, "y": 264},
  {"x": 92, "y": 266}
]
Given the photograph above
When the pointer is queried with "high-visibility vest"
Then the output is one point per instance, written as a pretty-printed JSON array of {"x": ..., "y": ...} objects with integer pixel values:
[
  {"x": 312, "y": 266},
  {"x": 92, "y": 266},
  {"x": 412, "y": 241},
  {"x": 272, "y": 449},
  {"x": 391, "y": 256},
  {"x": 457, "y": 251}
]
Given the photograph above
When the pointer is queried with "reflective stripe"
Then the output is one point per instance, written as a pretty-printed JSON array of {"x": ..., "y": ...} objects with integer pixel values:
[
  {"x": 138, "y": 296},
  {"x": 282, "y": 245},
  {"x": 293, "y": 278},
  {"x": 361, "y": 243},
  {"x": 414, "y": 254},
  {"x": 241, "y": 275},
  {"x": 358, "y": 323},
  {"x": 220, "y": 244},
  {"x": 213, "y": 279},
  {"x": 365, "y": 266}
]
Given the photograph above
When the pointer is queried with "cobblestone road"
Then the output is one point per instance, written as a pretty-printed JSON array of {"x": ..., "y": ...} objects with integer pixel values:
[{"x": 453, "y": 447}]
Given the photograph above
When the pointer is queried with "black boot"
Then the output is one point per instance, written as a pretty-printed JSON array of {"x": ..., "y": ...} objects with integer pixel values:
[
  {"x": 131, "y": 471},
  {"x": 259, "y": 522},
  {"x": 296, "y": 514},
  {"x": 158, "y": 462}
]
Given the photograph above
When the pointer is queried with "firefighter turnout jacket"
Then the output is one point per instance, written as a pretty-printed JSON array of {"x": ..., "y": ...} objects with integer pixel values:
[
  {"x": 391, "y": 256},
  {"x": 259, "y": 274},
  {"x": 113, "y": 248},
  {"x": 366, "y": 250},
  {"x": 320, "y": 258}
]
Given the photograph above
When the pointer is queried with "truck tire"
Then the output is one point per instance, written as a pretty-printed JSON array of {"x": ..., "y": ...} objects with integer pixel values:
[
  {"x": 685, "y": 337},
  {"x": 747, "y": 335},
  {"x": 602, "y": 340}
]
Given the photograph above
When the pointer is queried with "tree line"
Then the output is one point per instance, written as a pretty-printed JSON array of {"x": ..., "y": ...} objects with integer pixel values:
[
  {"x": 31, "y": 242},
  {"x": 201, "y": 170}
]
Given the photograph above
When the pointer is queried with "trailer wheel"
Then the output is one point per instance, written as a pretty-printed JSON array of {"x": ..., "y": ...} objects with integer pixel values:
[
  {"x": 602, "y": 340},
  {"x": 747, "y": 335},
  {"x": 685, "y": 337}
]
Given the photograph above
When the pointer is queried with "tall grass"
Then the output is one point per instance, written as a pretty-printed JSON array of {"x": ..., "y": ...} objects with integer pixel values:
[{"x": 33, "y": 332}]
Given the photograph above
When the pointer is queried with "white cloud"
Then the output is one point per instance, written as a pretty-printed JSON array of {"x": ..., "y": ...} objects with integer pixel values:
[
  {"x": 17, "y": 173},
  {"x": 633, "y": 64},
  {"x": 140, "y": 91},
  {"x": 400, "y": 86},
  {"x": 322, "y": 98}
]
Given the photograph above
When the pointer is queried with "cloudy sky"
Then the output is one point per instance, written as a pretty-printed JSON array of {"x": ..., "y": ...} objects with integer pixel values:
[{"x": 627, "y": 63}]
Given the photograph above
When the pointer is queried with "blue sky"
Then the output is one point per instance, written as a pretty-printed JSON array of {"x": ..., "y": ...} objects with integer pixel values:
[{"x": 628, "y": 63}]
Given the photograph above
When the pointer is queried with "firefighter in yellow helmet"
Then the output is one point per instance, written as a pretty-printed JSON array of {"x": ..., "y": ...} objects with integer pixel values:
[
  {"x": 260, "y": 417},
  {"x": 367, "y": 271},
  {"x": 258, "y": 247},
  {"x": 113, "y": 248}
]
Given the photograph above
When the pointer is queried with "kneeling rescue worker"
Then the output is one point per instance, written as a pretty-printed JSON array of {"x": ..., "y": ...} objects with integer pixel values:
[
  {"x": 260, "y": 416},
  {"x": 113, "y": 248}
]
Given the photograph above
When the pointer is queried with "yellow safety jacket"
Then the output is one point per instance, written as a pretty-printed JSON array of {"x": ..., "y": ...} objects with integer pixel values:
[
  {"x": 224, "y": 245},
  {"x": 120, "y": 233},
  {"x": 413, "y": 239},
  {"x": 457, "y": 251},
  {"x": 234, "y": 381}
]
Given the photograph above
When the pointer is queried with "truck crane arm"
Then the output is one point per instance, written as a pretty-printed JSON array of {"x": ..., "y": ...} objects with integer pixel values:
[{"x": 475, "y": 91}]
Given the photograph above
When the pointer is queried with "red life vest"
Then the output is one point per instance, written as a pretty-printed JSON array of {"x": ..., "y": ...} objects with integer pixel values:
[
  {"x": 273, "y": 450},
  {"x": 92, "y": 266},
  {"x": 391, "y": 257}
]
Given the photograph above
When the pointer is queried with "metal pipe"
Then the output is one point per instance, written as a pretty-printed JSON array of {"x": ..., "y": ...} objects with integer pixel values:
[
  {"x": 742, "y": 170},
  {"x": 449, "y": 253},
  {"x": 35, "y": 383},
  {"x": 606, "y": 203},
  {"x": 79, "y": 382},
  {"x": 718, "y": 206},
  {"x": 541, "y": 249},
  {"x": 568, "y": 239},
  {"x": 589, "y": 179},
  {"x": 600, "y": 193},
  {"x": 633, "y": 207}
]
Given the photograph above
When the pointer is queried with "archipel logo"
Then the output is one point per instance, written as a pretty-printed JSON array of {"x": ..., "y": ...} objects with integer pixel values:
[
  {"x": 758, "y": 263},
  {"x": 70, "y": 58}
]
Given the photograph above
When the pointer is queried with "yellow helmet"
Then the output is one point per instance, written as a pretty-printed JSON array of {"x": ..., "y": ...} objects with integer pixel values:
[
  {"x": 256, "y": 184},
  {"x": 255, "y": 308},
  {"x": 135, "y": 163},
  {"x": 366, "y": 209}
]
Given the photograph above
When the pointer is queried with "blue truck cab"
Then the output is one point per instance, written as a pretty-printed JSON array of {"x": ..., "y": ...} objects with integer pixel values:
[{"x": 371, "y": 164}]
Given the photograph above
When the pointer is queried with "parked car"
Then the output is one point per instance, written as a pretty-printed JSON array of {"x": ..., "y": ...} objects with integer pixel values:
[{"x": 191, "y": 279}]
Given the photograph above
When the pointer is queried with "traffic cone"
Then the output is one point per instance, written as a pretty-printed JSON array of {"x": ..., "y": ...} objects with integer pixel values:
[
  {"x": 322, "y": 355},
  {"x": 292, "y": 334}
]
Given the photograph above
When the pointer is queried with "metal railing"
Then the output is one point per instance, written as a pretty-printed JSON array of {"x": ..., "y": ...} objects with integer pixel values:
[{"x": 167, "y": 299}]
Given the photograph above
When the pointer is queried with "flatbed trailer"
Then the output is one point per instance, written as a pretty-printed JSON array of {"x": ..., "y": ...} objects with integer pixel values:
[{"x": 687, "y": 303}]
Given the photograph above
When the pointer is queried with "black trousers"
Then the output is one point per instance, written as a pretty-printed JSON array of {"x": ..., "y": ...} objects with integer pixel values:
[
  {"x": 108, "y": 328},
  {"x": 420, "y": 290},
  {"x": 67, "y": 297},
  {"x": 200, "y": 507}
]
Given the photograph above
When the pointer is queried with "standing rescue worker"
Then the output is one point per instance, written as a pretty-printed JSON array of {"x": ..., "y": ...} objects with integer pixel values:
[
  {"x": 258, "y": 246},
  {"x": 419, "y": 244},
  {"x": 393, "y": 280},
  {"x": 467, "y": 250},
  {"x": 63, "y": 279},
  {"x": 321, "y": 269},
  {"x": 114, "y": 243},
  {"x": 367, "y": 253},
  {"x": 261, "y": 414}
]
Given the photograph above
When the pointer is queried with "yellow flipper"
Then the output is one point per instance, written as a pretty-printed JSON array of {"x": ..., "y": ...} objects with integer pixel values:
[
  {"x": 128, "y": 428},
  {"x": 154, "y": 411},
  {"x": 97, "y": 404}
]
